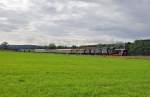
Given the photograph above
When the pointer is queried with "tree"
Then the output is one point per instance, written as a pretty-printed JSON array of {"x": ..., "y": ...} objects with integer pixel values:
[
  {"x": 4, "y": 45},
  {"x": 60, "y": 47},
  {"x": 139, "y": 47},
  {"x": 52, "y": 46},
  {"x": 74, "y": 46}
]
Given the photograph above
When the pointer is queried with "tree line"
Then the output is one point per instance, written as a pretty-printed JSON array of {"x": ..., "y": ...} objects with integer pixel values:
[
  {"x": 139, "y": 47},
  {"x": 6, "y": 46}
]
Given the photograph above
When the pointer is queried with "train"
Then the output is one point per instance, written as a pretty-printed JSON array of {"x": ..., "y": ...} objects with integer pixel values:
[{"x": 113, "y": 52}]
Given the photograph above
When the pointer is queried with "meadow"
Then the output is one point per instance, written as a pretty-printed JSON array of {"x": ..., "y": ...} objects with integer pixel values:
[{"x": 56, "y": 75}]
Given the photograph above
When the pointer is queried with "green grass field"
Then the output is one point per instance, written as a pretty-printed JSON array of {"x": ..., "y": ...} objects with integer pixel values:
[{"x": 50, "y": 75}]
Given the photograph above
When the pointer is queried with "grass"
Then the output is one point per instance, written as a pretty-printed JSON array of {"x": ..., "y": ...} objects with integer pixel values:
[{"x": 50, "y": 75}]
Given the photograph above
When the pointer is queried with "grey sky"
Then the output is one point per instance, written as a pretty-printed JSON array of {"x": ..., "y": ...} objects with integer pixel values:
[{"x": 69, "y": 22}]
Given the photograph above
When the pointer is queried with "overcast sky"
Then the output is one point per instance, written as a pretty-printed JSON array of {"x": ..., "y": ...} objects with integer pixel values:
[{"x": 69, "y": 22}]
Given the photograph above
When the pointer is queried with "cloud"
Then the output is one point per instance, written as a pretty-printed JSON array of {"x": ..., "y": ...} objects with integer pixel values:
[{"x": 71, "y": 22}]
